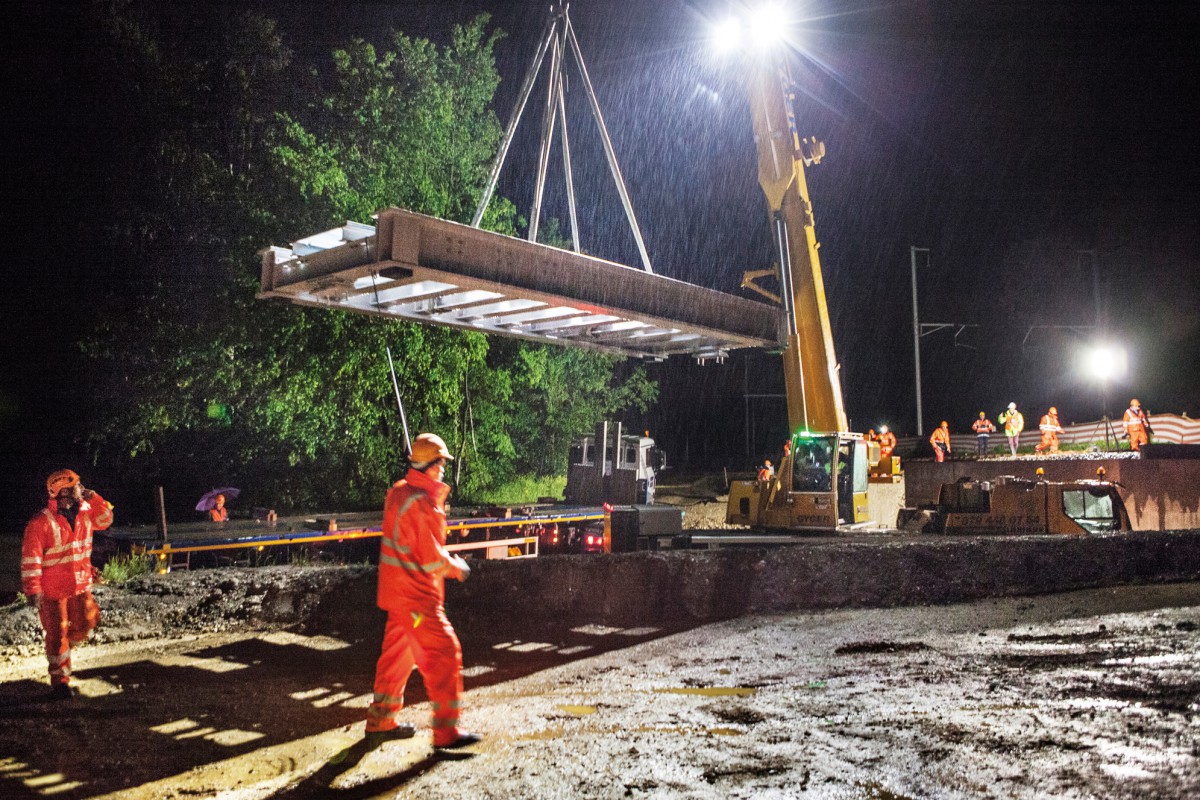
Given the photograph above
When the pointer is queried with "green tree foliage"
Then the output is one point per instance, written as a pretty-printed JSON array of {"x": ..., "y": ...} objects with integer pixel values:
[{"x": 234, "y": 145}]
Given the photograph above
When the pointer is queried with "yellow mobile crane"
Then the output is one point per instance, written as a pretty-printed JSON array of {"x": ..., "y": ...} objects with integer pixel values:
[{"x": 825, "y": 479}]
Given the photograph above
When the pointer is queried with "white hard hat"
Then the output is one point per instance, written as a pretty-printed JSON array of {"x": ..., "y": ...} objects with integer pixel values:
[{"x": 1012, "y": 406}]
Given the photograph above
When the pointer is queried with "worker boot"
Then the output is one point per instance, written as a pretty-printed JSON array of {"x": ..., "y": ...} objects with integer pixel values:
[
  {"x": 60, "y": 691},
  {"x": 464, "y": 740},
  {"x": 402, "y": 731}
]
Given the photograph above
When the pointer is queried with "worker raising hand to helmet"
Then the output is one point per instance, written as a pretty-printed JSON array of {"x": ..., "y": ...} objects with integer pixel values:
[
  {"x": 413, "y": 563},
  {"x": 56, "y": 570}
]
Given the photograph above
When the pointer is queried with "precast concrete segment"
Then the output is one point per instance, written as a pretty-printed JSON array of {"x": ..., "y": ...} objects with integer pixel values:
[
  {"x": 439, "y": 272},
  {"x": 1160, "y": 494},
  {"x": 669, "y": 589}
]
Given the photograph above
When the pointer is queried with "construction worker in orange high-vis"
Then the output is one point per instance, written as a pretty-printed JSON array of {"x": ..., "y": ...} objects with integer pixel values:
[
  {"x": 56, "y": 570},
  {"x": 983, "y": 428},
  {"x": 887, "y": 441},
  {"x": 940, "y": 441},
  {"x": 1136, "y": 425},
  {"x": 1050, "y": 430},
  {"x": 413, "y": 563}
]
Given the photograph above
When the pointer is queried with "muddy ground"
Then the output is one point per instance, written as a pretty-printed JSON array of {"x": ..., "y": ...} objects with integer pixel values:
[{"x": 240, "y": 684}]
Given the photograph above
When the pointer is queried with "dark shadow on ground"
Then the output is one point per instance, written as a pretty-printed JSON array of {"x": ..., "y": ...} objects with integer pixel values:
[{"x": 172, "y": 715}]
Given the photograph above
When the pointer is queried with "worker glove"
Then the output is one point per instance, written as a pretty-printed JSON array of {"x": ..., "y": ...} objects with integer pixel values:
[{"x": 464, "y": 569}]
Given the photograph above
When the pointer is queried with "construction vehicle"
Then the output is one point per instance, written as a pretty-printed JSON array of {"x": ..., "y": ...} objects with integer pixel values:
[
  {"x": 1008, "y": 505},
  {"x": 613, "y": 467},
  {"x": 829, "y": 477}
]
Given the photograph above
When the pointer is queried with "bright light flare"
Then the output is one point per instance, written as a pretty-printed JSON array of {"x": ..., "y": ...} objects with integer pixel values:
[
  {"x": 727, "y": 35},
  {"x": 1105, "y": 362},
  {"x": 768, "y": 25}
]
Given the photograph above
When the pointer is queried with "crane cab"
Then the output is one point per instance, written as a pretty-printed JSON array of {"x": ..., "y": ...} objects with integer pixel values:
[{"x": 821, "y": 485}]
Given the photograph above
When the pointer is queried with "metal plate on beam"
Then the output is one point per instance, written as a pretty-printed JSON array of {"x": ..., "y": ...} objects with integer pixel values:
[{"x": 433, "y": 271}]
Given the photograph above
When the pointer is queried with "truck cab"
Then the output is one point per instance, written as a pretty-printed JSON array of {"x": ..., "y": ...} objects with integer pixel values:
[{"x": 613, "y": 467}]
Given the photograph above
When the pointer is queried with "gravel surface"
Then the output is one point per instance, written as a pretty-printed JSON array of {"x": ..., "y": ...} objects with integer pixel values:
[{"x": 197, "y": 688}]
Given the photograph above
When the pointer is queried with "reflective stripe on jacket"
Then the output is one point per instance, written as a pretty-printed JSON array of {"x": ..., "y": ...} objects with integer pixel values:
[
  {"x": 1134, "y": 420},
  {"x": 56, "y": 559},
  {"x": 412, "y": 549},
  {"x": 1050, "y": 425}
]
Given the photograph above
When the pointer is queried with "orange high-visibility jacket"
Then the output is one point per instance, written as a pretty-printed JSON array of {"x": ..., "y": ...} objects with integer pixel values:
[
  {"x": 56, "y": 559},
  {"x": 981, "y": 426},
  {"x": 1050, "y": 424},
  {"x": 940, "y": 434},
  {"x": 413, "y": 559},
  {"x": 1134, "y": 418},
  {"x": 887, "y": 442}
]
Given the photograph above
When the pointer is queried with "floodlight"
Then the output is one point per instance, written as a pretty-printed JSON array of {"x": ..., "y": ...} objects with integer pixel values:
[{"x": 1106, "y": 362}]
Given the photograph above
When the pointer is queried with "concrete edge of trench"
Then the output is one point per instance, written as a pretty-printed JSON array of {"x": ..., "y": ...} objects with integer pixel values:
[{"x": 682, "y": 588}]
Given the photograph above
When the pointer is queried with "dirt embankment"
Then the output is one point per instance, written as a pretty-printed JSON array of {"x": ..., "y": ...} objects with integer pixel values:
[{"x": 1080, "y": 695}]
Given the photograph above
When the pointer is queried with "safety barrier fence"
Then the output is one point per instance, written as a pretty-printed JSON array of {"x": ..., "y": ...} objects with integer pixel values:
[{"x": 520, "y": 544}]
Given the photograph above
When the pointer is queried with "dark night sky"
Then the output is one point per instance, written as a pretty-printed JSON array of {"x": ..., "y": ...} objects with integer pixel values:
[{"x": 1006, "y": 136}]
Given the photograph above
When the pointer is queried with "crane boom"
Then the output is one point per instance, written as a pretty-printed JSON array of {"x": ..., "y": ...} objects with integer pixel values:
[{"x": 814, "y": 392}]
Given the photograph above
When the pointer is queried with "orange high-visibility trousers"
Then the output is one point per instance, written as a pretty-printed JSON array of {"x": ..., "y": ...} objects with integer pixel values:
[
  {"x": 427, "y": 640},
  {"x": 1137, "y": 437},
  {"x": 1049, "y": 442},
  {"x": 66, "y": 621}
]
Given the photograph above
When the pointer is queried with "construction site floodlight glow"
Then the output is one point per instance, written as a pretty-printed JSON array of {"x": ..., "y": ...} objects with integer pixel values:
[
  {"x": 763, "y": 26},
  {"x": 1106, "y": 362}
]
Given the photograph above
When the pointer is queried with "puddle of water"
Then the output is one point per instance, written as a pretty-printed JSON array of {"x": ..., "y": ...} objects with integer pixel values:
[
  {"x": 710, "y": 691},
  {"x": 578, "y": 711}
]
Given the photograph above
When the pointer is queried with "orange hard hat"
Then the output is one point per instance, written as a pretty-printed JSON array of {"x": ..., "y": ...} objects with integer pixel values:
[
  {"x": 62, "y": 479},
  {"x": 1134, "y": 402},
  {"x": 1053, "y": 410},
  {"x": 945, "y": 424},
  {"x": 767, "y": 463},
  {"x": 429, "y": 447},
  {"x": 1041, "y": 471}
]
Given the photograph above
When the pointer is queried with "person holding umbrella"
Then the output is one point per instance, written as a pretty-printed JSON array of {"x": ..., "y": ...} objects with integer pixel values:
[
  {"x": 218, "y": 513},
  {"x": 214, "y": 503}
]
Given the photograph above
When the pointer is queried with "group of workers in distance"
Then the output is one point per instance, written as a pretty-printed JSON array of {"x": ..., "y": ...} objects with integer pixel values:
[
  {"x": 57, "y": 575},
  {"x": 1135, "y": 423}
]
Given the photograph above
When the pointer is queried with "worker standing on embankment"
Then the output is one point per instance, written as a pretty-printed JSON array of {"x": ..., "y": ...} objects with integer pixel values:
[
  {"x": 56, "y": 570},
  {"x": 1135, "y": 425},
  {"x": 1013, "y": 422},
  {"x": 983, "y": 428},
  {"x": 940, "y": 441},
  {"x": 413, "y": 564}
]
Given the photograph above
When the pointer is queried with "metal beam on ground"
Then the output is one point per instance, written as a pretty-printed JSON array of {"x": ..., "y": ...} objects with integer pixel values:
[{"x": 433, "y": 271}]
